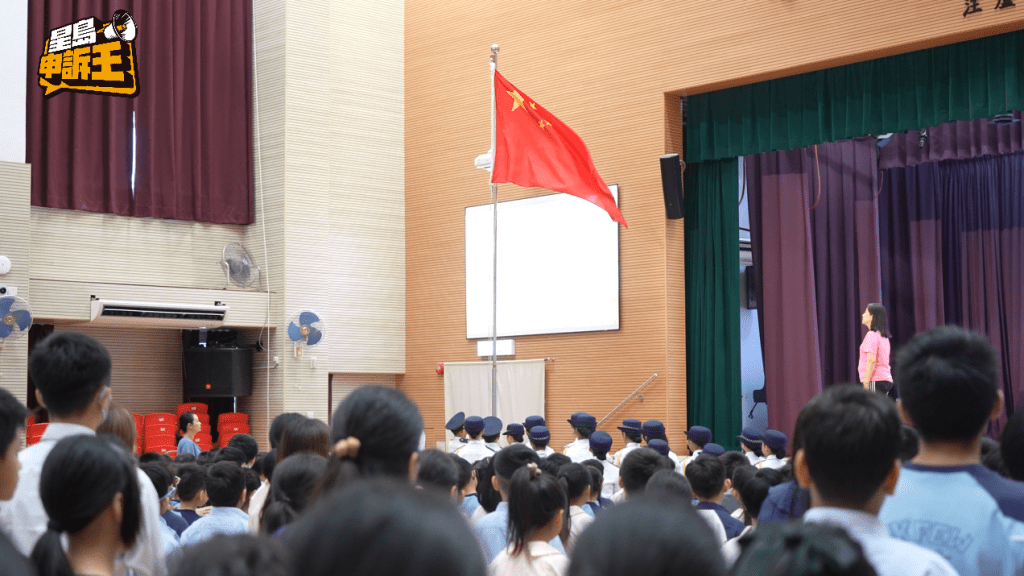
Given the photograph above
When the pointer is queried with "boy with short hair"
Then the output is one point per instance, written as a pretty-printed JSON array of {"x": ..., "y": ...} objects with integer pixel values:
[
  {"x": 637, "y": 468},
  {"x": 707, "y": 478},
  {"x": 12, "y": 420},
  {"x": 247, "y": 444},
  {"x": 225, "y": 484},
  {"x": 850, "y": 462},
  {"x": 191, "y": 491},
  {"x": 945, "y": 499}
]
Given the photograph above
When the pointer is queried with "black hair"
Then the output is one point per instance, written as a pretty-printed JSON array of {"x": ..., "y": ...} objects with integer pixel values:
[
  {"x": 192, "y": 479},
  {"x": 160, "y": 476},
  {"x": 230, "y": 454},
  {"x": 637, "y": 468},
  {"x": 119, "y": 424},
  {"x": 385, "y": 526},
  {"x": 155, "y": 457},
  {"x": 851, "y": 441},
  {"x": 463, "y": 467},
  {"x": 252, "y": 482},
  {"x": 910, "y": 443},
  {"x": 947, "y": 382},
  {"x": 540, "y": 444},
  {"x": 295, "y": 479},
  {"x": 492, "y": 438},
  {"x": 634, "y": 435},
  {"x": 485, "y": 492},
  {"x": 753, "y": 488},
  {"x": 278, "y": 425},
  {"x": 81, "y": 476},
  {"x": 459, "y": 429},
  {"x": 68, "y": 369},
  {"x": 12, "y": 419},
  {"x": 599, "y": 454},
  {"x": 583, "y": 431},
  {"x": 596, "y": 483},
  {"x": 388, "y": 426},
  {"x": 780, "y": 453},
  {"x": 437, "y": 471},
  {"x": 225, "y": 482},
  {"x": 667, "y": 482},
  {"x": 801, "y": 549},
  {"x": 733, "y": 460},
  {"x": 257, "y": 463},
  {"x": 206, "y": 458},
  {"x": 666, "y": 540},
  {"x": 232, "y": 555},
  {"x": 577, "y": 479},
  {"x": 516, "y": 437},
  {"x": 269, "y": 462},
  {"x": 306, "y": 435},
  {"x": 184, "y": 420},
  {"x": 247, "y": 444},
  {"x": 510, "y": 459},
  {"x": 655, "y": 436},
  {"x": 1011, "y": 444},
  {"x": 185, "y": 458},
  {"x": 534, "y": 498},
  {"x": 878, "y": 322},
  {"x": 706, "y": 474}
]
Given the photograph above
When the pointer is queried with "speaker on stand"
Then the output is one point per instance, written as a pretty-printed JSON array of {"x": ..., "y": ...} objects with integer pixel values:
[{"x": 672, "y": 185}]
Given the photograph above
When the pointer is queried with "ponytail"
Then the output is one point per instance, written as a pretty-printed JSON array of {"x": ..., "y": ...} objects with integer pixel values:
[
  {"x": 295, "y": 480},
  {"x": 534, "y": 498},
  {"x": 183, "y": 421},
  {"x": 48, "y": 554}
]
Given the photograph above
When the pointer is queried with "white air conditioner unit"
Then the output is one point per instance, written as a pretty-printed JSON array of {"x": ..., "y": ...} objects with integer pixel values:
[{"x": 156, "y": 314}]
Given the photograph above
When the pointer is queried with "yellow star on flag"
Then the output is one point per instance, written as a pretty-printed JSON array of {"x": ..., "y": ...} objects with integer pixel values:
[{"x": 517, "y": 97}]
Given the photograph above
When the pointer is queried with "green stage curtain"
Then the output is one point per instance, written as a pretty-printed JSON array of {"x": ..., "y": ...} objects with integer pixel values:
[
  {"x": 712, "y": 250},
  {"x": 964, "y": 81}
]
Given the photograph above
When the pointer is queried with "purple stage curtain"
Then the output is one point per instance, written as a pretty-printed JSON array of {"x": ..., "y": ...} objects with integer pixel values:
[
  {"x": 953, "y": 249},
  {"x": 953, "y": 141},
  {"x": 193, "y": 117},
  {"x": 816, "y": 269}
]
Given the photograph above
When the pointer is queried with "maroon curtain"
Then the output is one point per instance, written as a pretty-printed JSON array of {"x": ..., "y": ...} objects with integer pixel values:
[
  {"x": 193, "y": 117},
  {"x": 953, "y": 141}
]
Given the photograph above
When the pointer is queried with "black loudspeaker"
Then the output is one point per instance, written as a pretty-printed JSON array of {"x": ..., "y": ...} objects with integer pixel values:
[
  {"x": 672, "y": 186},
  {"x": 218, "y": 372}
]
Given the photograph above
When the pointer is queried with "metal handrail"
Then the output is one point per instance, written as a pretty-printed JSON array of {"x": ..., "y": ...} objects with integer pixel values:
[{"x": 628, "y": 398}]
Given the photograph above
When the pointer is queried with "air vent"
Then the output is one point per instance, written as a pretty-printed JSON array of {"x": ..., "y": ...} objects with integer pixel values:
[{"x": 157, "y": 314}]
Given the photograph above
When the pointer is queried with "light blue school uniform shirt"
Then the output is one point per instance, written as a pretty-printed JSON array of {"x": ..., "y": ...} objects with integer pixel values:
[
  {"x": 186, "y": 446},
  {"x": 970, "y": 515},
  {"x": 220, "y": 520},
  {"x": 493, "y": 532}
]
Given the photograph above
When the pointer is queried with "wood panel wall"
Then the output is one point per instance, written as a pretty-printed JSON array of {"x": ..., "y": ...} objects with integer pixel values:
[{"x": 612, "y": 70}]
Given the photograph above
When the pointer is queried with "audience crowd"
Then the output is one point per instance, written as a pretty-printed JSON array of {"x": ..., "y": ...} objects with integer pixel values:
[{"x": 868, "y": 485}]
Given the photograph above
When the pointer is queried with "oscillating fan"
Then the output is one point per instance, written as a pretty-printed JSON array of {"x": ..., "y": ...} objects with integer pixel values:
[
  {"x": 239, "y": 268},
  {"x": 305, "y": 328},
  {"x": 15, "y": 317}
]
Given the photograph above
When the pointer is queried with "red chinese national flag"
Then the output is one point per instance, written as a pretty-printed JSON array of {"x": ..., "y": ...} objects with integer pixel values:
[{"x": 533, "y": 148}]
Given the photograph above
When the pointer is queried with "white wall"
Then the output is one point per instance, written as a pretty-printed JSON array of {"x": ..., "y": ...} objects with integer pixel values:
[{"x": 13, "y": 58}]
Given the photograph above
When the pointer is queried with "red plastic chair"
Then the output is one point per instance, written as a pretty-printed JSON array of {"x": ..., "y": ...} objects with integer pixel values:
[
  {"x": 197, "y": 407},
  {"x": 161, "y": 418},
  {"x": 30, "y": 420},
  {"x": 30, "y": 440},
  {"x": 233, "y": 428},
  {"x": 35, "y": 430},
  {"x": 161, "y": 430},
  {"x": 225, "y": 437},
  {"x": 154, "y": 442},
  {"x": 204, "y": 418},
  {"x": 232, "y": 418}
]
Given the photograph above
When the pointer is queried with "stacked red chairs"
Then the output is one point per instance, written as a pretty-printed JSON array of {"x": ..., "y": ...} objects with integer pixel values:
[
  {"x": 231, "y": 423},
  {"x": 197, "y": 407},
  {"x": 30, "y": 420},
  {"x": 140, "y": 431},
  {"x": 33, "y": 433},
  {"x": 159, "y": 432},
  {"x": 204, "y": 440},
  {"x": 160, "y": 443}
]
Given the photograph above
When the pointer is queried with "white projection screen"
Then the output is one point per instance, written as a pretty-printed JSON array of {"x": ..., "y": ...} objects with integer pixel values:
[{"x": 558, "y": 267}]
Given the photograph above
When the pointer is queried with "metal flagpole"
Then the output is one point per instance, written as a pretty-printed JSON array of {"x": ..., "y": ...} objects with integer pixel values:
[{"x": 494, "y": 278}]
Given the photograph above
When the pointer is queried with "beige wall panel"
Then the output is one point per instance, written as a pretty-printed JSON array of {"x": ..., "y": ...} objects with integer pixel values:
[
  {"x": 16, "y": 245},
  {"x": 604, "y": 68},
  {"x": 343, "y": 383}
]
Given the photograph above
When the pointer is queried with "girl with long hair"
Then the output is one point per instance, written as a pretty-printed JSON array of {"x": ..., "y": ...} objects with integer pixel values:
[
  {"x": 873, "y": 366},
  {"x": 538, "y": 507}
]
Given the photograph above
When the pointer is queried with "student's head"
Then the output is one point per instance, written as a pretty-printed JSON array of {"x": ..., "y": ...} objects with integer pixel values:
[
  {"x": 269, "y": 461},
  {"x": 12, "y": 419},
  {"x": 247, "y": 444},
  {"x": 191, "y": 483},
  {"x": 707, "y": 476},
  {"x": 295, "y": 479},
  {"x": 71, "y": 373},
  {"x": 851, "y": 443},
  {"x": 188, "y": 423},
  {"x": 306, "y": 435},
  {"x": 874, "y": 319},
  {"x": 654, "y": 430},
  {"x": 752, "y": 485},
  {"x": 278, "y": 425},
  {"x": 600, "y": 444},
  {"x": 485, "y": 491},
  {"x": 225, "y": 484},
  {"x": 384, "y": 526},
  {"x": 162, "y": 459},
  {"x": 947, "y": 383},
  {"x": 637, "y": 468},
  {"x": 232, "y": 555},
  {"x": 733, "y": 460},
  {"x": 667, "y": 482},
  {"x": 162, "y": 480},
  {"x": 660, "y": 540},
  {"x": 510, "y": 459},
  {"x": 537, "y": 501},
  {"x": 596, "y": 470},
  {"x": 438, "y": 472},
  {"x": 1011, "y": 445},
  {"x": 230, "y": 454},
  {"x": 120, "y": 424},
  {"x": 774, "y": 443},
  {"x": 553, "y": 463},
  {"x": 465, "y": 470},
  {"x": 474, "y": 427},
  {"x": 583, "y": 424},
  {"x": 539, "y": 436},
  {"x": 910, "y": 443},
  {"x": 577, "y": 481},
  {"x": 632, "y": 430},
  {"x": 801, "y": 549},
  {"x": 87, "y": 482},
  {"x": 252, "y": 484},
  {"x": 388, "y": 426},
  {"x": 514, "y": 433}
]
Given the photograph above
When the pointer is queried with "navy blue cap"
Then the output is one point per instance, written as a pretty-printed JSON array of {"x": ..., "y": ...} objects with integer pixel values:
[
  {"x": 631, "y": 425},
  {"x": 712, "y": 448},
  {"x": 456, "y": 421},
  {"x": 751, "y": 436},
  {"x": 540, "y": 435},
  {"x": 474, "y": 424},
  {"x": 600, "y": 442},
  {"x": 775, "y": 440},
  {"x": 659, "y": 445},
  {"x": 532, "y": 421},
  {"x": 492, "y": 426},
  {"x": 653, "y": 428},
  {"x": 583, "y": 420},
  {"x": 699, "y": 435},
  {"x": 514, "y": 428}
]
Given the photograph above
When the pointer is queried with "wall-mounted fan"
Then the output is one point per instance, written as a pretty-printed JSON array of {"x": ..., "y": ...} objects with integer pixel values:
[
  {"x": 15, "y": 317},
  {"x": 239, "y": 267},
  {"x": 305, "y": 328}
]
